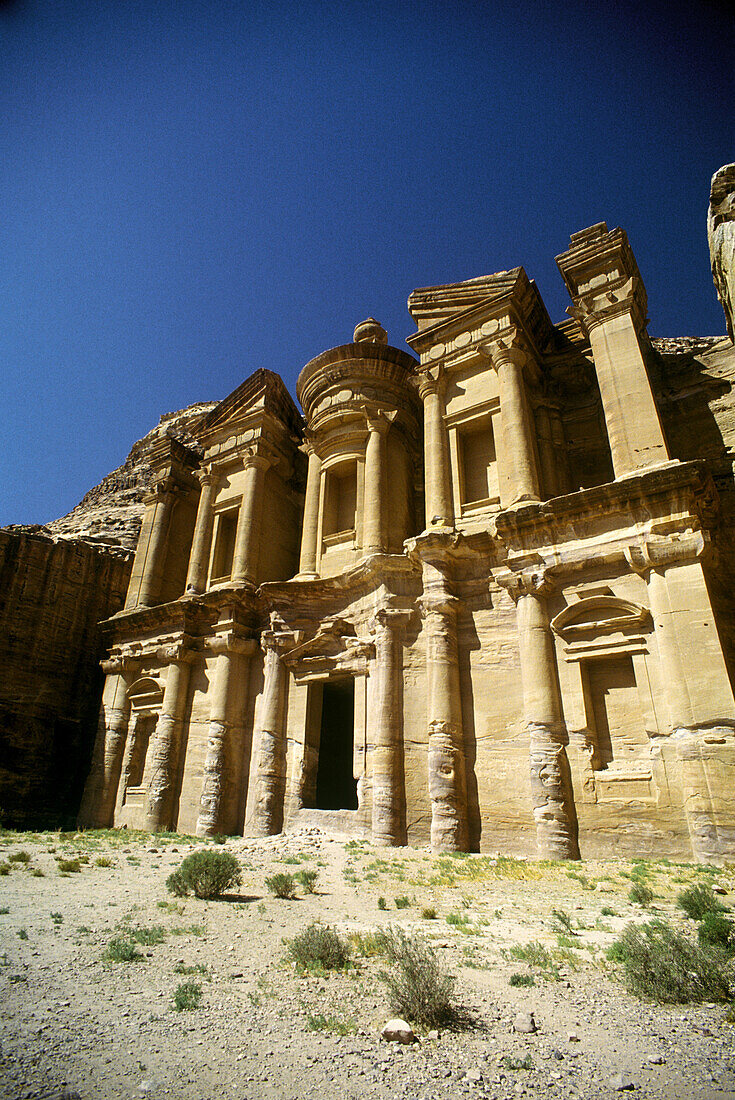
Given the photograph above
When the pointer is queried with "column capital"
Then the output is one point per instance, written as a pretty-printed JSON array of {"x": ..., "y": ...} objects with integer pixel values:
[
  {"x": 208, "y": 475},
  {"x": 379, "y": 420},
  {"x": 527, "y": 582},
  {"x": 391, "y": 618},
  {"x": 178, "y": 652},
  {"x": 441, "y": 604},
  {"x": 119, "y": 666},
  {"x": 258, "y": 458},
  {"x": 508, "y": 347},
  {"x": 663, "y": 550},
  {"x": 309, "y": 443},
  {"x": 230, "y": 642},
  {"x": 594, "y": 309},
  {"x": 166, "y": 486},
  {"x": 432, "y": 380}
]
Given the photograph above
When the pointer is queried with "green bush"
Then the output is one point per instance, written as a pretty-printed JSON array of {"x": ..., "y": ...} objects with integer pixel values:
[
  {"x": 206, "y": 874},
  {"x": 664, "y": 965},
  {"x": 104, "y": 861},
  {"x": 717, "y": 930},
  {"x": 282, "y": 885},
  {"x": 402, "y": 902},
  {"x": 420, "y": 990},
  {"x": 319, "y": 947},
  {"x": 697, "y": 901},
  {"x": 640, "y": 893},
  {"x": 19, "y": 857},
  {"x": 187, "y": 995},
  {"x": 561, "y": 922},
  {"x": 382, "y": 904},
  {"x": 68, "y": 866},
  {"x": 148, "y": 936},
  {"x": 428, "y": 913},
  {"x": 519, "y": 979},
  {"x": 121, "y": 949},
  {"x": 307, "y": 880}
]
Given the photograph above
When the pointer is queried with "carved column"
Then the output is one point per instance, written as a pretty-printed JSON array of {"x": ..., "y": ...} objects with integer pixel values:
[
  {"x": 388, "y": 782},
  {"x": 519, "y": 447},
  {"x": 219, "y": 767},
  {"x": 551, "y": 783},
  {"x": 446, "y": 760},
  {"x": 271, "y": 774},
  {"x": 165, "y": 752},
  {"x": 98, "y": 803},
  {"x": 161, "y": 502},
  {"x": 439, "y": 508},
  {"x": 310, "y": 528},
  {"x": 249, "y": 521},
  {"x": 375, "y": 506},
  {"x": 196, "y": 579}
]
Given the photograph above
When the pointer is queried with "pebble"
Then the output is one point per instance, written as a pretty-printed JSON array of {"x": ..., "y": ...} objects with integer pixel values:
[
  {"x": 524, "y": 1023},
  {"x": 620, "y": 1082}
]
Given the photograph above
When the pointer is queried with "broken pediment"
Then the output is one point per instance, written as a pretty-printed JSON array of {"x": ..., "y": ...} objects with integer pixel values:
[
  {"x": 263, "y": 392},
  {"x": 333, "y": 647}
]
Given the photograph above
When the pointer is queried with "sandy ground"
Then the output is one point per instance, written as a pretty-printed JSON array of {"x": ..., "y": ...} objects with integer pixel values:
[{"x": 73, "y": 1024}]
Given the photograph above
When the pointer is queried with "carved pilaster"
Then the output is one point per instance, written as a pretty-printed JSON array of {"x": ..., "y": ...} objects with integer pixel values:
[
  {"x": 376, "y": 494},
  {"x": 166, "y": 746},
  {"x": 198, "y": 559},
  {"x": 551, "y": 783},
  {"x": 250, "y": 518},
  {"x": 271, "y": 772},
  {"x": 439, "y": 508},
  {"x": 388, "y": 781},
  {"x": 509, "y": 355}
]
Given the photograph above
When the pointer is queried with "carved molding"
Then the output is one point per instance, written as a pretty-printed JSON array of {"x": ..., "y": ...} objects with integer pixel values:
[{"x": 659, "y": 551}]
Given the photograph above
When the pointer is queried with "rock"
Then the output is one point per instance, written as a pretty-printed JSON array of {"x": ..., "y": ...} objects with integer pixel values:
[
  {"x": 657, "y": 1060},
  {"x": 572, "y": 1037},
  {"x": 473, "y": 1076},
  {"x": 398, "y": 1031},
  {"x": 718, "y": 888},
  {"x": 525, "y": 1023},
  {"x": 620, "y": 1082},
  {"x": 433, "y": 1034}
]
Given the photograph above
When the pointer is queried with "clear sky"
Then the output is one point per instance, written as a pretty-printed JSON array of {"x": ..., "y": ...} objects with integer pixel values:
[{"x": 189, "y": 191}]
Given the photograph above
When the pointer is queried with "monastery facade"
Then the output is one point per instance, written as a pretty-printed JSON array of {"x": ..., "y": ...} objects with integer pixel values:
[{"x": 466, "y": 598}]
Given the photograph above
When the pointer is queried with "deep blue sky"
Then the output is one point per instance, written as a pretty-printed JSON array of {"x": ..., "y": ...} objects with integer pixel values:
[{"x": 189, "y": 191}]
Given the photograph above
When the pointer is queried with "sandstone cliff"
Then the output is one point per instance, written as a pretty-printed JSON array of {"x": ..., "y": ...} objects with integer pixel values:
[{"x": 111, "y": 512}]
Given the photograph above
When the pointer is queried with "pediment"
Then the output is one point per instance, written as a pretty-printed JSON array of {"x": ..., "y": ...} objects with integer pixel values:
[
  {"x": 263, "y": 392},
  {"x": 600, "y": 615},
  {"x": 334, "y": 646}
]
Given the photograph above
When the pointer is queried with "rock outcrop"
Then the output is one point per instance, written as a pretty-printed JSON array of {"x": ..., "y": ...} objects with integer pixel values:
[
  {"x": 111, "y": 512},
  {"x": 721, "y": 236}
]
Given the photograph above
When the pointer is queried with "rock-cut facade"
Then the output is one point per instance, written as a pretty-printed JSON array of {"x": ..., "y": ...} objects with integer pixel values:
[{"x": 476, "y": 597}]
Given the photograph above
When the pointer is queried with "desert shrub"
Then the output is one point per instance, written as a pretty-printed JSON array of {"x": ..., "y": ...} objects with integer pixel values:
[
  {"x": 148, "y": 937},
  {"x": 319, "y": 947},
  {"x": 402, "y": 902},
  {"x": 664, "y": 965},
  {"x": 307, "y": 881},
  {"x": 197, "y": 968},
  {"x": 507, "y": 1062},
  {"x": 320, "y": 1022},
  {"x": 36, "y": 872},
  {"x": 382, "y": 904},
  {"x": 68, "y": 866},
  {"x": 640, "y": 893},
  {"x": 121, "y": 949},
  {"x": 103, "y": 861},
  {"x": 22, "y": 934},
  {"x": 57, "y": 918},
  {"x": 533, "y": 953},
  {"x": 4, "y": 868},
  {"x": 561, "y": 922},
  {"x": 419, "y": 989},
  {"x": 19, "y": 857},
  {"x": 206, "y": 874},
  {"x": 369, "y": 943},
  {"x": 697, "y": 901},
  {"x": 282, "y": 885},
  {"x": 519, "y": 979},
  {"x": 717, "y": 930},
  {"x": 428, "y": 913},
  {"x": 187, "y": 995},
  {"x": 606, "y": 911}
]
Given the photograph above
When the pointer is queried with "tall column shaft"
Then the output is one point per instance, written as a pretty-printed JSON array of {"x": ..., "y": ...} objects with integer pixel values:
[
  {"x": 310, "y": 528},
  {"x": 196, "y": 578},
  {"x": 439, "y": 508},
  {"x": 518, "y": 437},
  {"x": 446, "y": 761},
  {"x": 551, "y": 782},
  {"x": 100, "y": 793},
  {"x": 374, "y": 535},
  {"x": 633, "y": 425},
  {"x": 249, "y": 523},
  {"x": 154, "y": 551},
  {"x": 165, "y": 750},
  {"x": 681, "y": 714},
  {"x": 388, "y": 783},
  {"x": 215, "y": 762},
  {"x": 271, "y": 777}
]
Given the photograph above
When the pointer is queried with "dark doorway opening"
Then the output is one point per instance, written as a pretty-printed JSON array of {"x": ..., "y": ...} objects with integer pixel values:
[{"x": 336, "y": 787}]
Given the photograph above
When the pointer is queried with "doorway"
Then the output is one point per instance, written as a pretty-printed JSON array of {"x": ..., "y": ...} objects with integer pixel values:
[{"x": 336, "y": 786}]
